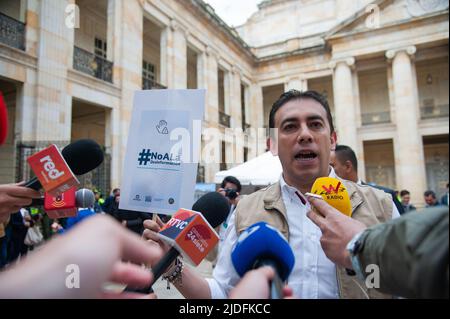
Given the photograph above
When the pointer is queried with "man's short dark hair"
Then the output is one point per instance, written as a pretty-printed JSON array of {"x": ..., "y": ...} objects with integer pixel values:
[
  {"x": 299, "y": 95},
  {"x": 428, "y": 193},
  {"x": 345, "y": 153},
  {"x": 232, "y": 180},
  {"x": 404, "y": 192}
]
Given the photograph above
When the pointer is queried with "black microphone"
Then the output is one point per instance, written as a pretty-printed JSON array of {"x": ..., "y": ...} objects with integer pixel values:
[
  {"x": 81, "y": 156},
  {"x": 215, "y": 208}
]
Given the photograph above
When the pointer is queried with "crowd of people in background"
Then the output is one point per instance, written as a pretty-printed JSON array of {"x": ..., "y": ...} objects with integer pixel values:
[{"x": 30, "y": 226}]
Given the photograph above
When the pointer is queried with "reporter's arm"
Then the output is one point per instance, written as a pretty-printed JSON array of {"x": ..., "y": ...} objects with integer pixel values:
[
  {"x": 95, "y": 247},
  {"x": 192, "y": 286},
  {"x": 13, "y": 197},
  {"x": 412, "y": 254}
]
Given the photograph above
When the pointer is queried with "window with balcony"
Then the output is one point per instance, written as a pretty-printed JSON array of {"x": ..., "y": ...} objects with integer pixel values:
[
  {"x": 432, "y": 82},
  {"x": 374, "y": 96},
  {"x": 90, "y": 49},
  {"x": 12, "y": 30}
]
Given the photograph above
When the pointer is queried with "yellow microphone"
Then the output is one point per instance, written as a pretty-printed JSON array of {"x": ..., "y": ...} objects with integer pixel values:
[{"x": 334, "y": 193}]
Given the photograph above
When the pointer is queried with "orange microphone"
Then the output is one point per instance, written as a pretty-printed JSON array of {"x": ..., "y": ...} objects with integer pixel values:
[
  {"x": 334, "y": 193},
  {"x": 191, "y": 234}
]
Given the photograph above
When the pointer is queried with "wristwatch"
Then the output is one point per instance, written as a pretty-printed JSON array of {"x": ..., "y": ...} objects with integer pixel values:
[{"x": 354, "y": 247}]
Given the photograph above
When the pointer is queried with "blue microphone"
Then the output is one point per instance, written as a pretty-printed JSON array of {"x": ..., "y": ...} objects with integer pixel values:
[{"x": 263, "y": 245}]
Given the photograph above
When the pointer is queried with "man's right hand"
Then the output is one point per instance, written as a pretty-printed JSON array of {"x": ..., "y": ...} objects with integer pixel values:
[{"x": 13, "y": 197}]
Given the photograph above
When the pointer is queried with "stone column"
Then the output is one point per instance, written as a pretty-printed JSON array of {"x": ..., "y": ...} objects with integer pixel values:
[
  {"x": 296, "y": 83},
  {"x": 114, "y": 47},
  {"x": 53, "y": 104},
  {"x": 410, "y": 159},
  {"x": 344, "y": 103},
  {"x": 166, "y": 56},
  {"x": 174, "y": 56},
  {"x": 236, "y": 115},
  {"x": 212, "y": 111},
  {"x": 257, "y": 121},
  {"x": 213, "y": 87},
  {"x": 32, "y": 25},
  {"x": 130, "y": 65},
  {"x": 25, "y": 122}
]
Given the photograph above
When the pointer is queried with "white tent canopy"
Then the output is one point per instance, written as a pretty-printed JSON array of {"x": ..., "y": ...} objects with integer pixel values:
[{"x": 262, "y": 170}]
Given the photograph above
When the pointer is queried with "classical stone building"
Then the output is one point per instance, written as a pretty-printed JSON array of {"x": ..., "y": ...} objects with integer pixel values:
[{"x": 69, "y": 69}]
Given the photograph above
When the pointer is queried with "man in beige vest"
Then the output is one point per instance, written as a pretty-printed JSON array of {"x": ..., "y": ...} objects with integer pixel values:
[{"x": 303, "y": 139}]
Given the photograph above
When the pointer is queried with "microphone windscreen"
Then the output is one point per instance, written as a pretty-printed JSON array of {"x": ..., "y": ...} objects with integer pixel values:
[
  {"x": 262, "y": 242},
  {"x": 3, "y": 120},
  {"x": 84, "y": 198},
  {"x": 334, "y": 193},
  {"x": 83, "y": 156},
  {"x": 214, "y": 207}
]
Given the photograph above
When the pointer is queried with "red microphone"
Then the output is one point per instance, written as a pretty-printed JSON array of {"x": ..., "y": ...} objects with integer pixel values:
[
  {"x": 3, "y": 120},
  {"x": 52, "y": 171},
  {"x": 61, "y": 206}
]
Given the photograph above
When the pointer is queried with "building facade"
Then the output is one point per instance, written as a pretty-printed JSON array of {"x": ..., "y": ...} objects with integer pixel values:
[{"x": 69, "y": 70}]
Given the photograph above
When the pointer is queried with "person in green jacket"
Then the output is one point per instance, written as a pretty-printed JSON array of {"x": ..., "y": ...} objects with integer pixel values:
[{"x": 411, "y": 252}]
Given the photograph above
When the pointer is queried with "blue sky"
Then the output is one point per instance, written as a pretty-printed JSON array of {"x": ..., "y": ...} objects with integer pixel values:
[{"x": 234, "y": 12}]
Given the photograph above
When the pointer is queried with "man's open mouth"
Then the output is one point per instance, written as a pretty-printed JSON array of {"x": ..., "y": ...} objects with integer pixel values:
[{"x": 305, "y": 156}]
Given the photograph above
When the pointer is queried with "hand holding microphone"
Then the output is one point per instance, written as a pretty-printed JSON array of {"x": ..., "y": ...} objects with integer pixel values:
[
  {"x": 13, "y": 197},
  {"x": 331, "y": 213},
  {"x": 337, "y": 230},
  {"x": 188, "y": 233}
]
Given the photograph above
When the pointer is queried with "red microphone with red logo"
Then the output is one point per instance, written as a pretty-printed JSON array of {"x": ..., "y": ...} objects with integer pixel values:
[
  {"x": 55, "y": 171},
  {"x": 61, "y": 206},
  {"x": 66, "y": 204},
  {"x": 52, "y": 171}
]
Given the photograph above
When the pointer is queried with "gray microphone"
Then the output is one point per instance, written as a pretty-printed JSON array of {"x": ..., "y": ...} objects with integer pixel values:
[{"x": 84, "y": 198}]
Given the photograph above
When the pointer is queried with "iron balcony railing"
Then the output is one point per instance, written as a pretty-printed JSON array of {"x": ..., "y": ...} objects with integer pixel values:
[
  {"x": 12, "y": 32},
  {"x": 435, "y": 111},
  {"x": 376, "y": 118},
  {"x": 87, "y": 62},
  {"x": 149, "y": 84}
]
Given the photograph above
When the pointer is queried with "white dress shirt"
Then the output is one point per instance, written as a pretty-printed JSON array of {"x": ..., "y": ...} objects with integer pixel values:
[{"x": 313, "y": 276}]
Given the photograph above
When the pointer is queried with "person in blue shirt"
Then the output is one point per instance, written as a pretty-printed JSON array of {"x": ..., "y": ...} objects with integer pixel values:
[{"x": 83, "y": 213}]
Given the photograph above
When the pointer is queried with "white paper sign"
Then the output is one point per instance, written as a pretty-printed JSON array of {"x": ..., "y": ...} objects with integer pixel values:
[{"x": 163, "y": 149}]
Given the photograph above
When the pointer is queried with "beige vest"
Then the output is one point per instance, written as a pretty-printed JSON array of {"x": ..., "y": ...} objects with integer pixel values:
[{"x": 369, "y": 206}]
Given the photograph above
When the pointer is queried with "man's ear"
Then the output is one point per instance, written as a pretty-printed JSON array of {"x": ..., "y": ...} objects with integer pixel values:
[
  {"x": 272, "y": 145},
  {"x": 333, "y": 141},
  {"x": 348, "y": 166}
]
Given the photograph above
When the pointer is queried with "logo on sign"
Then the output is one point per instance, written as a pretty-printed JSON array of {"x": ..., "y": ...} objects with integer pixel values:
[
  {"x": 177, "y": 223},
  {"x": 58, "y": 202},
  {"x": 50, "y": 168}
]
